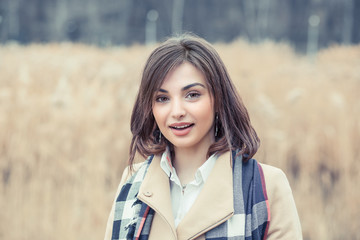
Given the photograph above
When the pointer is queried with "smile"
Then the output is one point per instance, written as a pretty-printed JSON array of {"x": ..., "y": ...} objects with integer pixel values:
[
  {"x": 182, "y": 126},
  {"x": 181, "y": 129}
]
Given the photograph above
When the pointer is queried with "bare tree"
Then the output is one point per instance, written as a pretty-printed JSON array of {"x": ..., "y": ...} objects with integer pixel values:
[{"x": 348, "y": 21}]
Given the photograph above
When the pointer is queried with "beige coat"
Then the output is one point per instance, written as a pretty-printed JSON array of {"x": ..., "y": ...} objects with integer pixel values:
[{"x": 155, "y": 191}]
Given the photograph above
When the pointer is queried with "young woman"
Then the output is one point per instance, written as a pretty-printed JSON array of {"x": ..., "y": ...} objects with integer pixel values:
[{"x": 199, "y": 180}]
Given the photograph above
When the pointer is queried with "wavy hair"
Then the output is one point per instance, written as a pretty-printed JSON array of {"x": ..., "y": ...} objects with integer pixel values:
[{"x": 234, "y": 127}]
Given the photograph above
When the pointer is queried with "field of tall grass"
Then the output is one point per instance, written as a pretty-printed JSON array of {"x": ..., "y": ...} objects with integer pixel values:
[{"x": 64, "y": 132}]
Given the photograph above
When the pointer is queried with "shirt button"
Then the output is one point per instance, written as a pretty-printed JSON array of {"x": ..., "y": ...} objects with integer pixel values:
[{"x": 148, "y": 194}]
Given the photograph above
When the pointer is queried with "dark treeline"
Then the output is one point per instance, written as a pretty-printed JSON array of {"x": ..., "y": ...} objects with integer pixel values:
[{"x": 115, "y": 22}]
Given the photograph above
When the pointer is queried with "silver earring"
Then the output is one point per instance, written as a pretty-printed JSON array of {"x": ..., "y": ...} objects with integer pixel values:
[
  {"x": 216, "y": 125},
  {"x": 157, "y": 136}
]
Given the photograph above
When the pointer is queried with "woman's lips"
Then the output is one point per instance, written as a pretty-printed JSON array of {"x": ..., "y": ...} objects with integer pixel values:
[{"x": 181, "y": 129}]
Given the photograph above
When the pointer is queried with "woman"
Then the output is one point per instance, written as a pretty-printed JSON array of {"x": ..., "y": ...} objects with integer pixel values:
[{"x": 199, "y": 180}]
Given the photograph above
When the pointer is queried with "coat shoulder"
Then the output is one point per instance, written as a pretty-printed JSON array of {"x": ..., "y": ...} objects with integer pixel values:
[
  {"x": 284, "y": 221},
  {"x": 127, "y": 173},
  {"x": 275, "y": 178}
]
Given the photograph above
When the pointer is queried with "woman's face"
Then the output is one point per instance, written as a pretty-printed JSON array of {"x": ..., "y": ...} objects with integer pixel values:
[{"x": 184, "y": 110}]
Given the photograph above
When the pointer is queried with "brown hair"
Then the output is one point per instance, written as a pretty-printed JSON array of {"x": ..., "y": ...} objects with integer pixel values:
[{"x": 234, "y": 127}]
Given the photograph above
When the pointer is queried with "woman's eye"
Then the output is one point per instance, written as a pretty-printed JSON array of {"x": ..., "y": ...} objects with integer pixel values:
[
  {"x": 193, "y": 95},
  {"x": 161, "y": 99}
]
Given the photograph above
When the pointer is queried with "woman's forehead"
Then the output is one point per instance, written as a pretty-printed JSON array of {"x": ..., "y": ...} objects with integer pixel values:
[{"x": 182, "y": 76}]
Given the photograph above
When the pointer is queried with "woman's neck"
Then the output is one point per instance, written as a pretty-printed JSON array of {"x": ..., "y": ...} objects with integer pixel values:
[{"x": 187, "y": 161}]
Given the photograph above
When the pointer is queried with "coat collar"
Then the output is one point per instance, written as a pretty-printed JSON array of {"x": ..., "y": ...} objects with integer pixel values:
[{"x": 213, "y": 206}]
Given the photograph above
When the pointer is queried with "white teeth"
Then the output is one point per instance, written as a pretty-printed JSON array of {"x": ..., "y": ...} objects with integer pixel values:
[{"x": 180, "y": 127}]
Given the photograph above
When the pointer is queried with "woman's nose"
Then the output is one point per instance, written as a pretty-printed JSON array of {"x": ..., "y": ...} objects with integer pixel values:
[{"x": 177, "y": 109}]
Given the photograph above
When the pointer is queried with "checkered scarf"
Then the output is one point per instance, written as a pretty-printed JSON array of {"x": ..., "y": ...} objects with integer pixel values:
[{"x": 132, "y": 218}]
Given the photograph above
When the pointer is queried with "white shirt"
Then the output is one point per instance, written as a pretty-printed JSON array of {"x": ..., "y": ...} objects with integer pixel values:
[{"x": 183, "y": 197}]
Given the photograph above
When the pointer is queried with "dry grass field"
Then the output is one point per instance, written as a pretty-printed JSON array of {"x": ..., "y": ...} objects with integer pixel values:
[{"x": 64, "y": 132}]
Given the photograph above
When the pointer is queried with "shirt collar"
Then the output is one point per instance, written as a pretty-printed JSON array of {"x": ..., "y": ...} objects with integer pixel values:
[
  {"x": 165, "y": 163},
  {"x": 205, "y": 169},
  {"x": 201, "y": 174}
]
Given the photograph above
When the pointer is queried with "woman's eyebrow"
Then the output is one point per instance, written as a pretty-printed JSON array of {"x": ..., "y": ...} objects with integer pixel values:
[
  {"x": 192, "y": 85},
  {"x": 162, "y": 90},
  {"x": 184, "y": 88}
]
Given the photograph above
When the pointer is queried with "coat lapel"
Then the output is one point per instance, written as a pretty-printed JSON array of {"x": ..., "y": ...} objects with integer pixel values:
[
  {"x": 155, "y": 192},
  {"x": 214, "y": 204}
]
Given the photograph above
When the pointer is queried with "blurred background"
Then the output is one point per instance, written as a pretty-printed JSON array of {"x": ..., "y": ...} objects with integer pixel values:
[
  {"x": 124, "y": 22},
  {"x": 69, "y": 74}
]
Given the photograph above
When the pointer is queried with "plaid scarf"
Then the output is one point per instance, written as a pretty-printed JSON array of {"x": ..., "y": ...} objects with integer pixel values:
[{"x": 132, "y": 218}]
